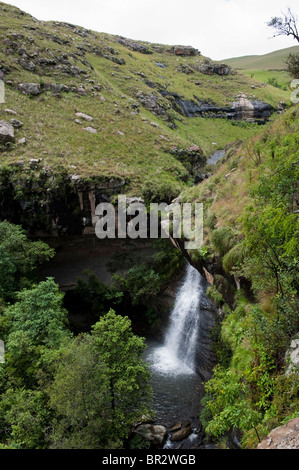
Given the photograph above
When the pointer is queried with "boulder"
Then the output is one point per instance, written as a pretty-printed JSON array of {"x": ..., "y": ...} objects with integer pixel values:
[
  {"x": 33, "y": 89},
  {"x": 27, "y": 65},
  {"x": 183, "y": 51},
  {"x": 7, "y": 133},
  {"x": 181, "y": 434},
  {"x": 84, "y": 116},
  {"x": 283, "y": 437},
  {"x": 153, "y": 433},
  {"x": 16, "y": 123},
  {"x": 57, "y": 89},
  {"x": 150, "y": 102},
  {"x": 90, "y": 129},
  {"x": 292, "y": 357},
  {"x": 10, "y": 111}
]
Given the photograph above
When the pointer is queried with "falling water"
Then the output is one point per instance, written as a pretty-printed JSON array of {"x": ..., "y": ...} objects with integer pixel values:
[{"x": 177, "y": 355}]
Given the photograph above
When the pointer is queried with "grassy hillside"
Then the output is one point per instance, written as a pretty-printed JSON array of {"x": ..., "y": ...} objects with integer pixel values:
[
  {"x": 271, "y": 61},
  {"x": 129, "y": 90}
]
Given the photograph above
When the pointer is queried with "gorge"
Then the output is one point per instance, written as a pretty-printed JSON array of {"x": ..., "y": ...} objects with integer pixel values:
[{"x": 91, "y": 325}]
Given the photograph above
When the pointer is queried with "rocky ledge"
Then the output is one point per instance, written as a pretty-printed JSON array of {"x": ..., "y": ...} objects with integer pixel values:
[
  {"x": 284, "y": 437},
  {"x": 241, "y": 109}
]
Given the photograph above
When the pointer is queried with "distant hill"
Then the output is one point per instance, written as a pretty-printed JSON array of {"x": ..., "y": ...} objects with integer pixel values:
[{"x": 273, "y": 60}]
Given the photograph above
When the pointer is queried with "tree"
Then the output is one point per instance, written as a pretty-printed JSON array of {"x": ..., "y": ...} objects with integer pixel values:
[
  {"x": 19, "y": 258},
  {"x": 24, "y": 414},
  {"x": 100, "y": 387},
  {"x": 35, "y": 323},
  {"x": 79, "y": 399},
  {"x": 121, "y": 351},
  {"x": 285, "y": 25},
  {"x": 292, "y": 63}
]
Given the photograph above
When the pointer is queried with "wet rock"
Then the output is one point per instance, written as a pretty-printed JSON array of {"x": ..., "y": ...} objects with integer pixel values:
[
  {"x": 176, "y": 427},
  {"x": 33, "y": 89},
  {"x": 6, "y": 132},
  {"x": 155, "y": 434},
  {"x": 181, "y": 434}
]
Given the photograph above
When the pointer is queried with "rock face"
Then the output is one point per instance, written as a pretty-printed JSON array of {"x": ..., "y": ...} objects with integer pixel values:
[
  {"x": 184, "y": 51},
  {"x": 6, "y": 132},
  {"x": 284, "y": 437},
  {"x": 209, "y": 68},
  {"x": 205, "y": 355},
  {"x": 241, "y": 109}
]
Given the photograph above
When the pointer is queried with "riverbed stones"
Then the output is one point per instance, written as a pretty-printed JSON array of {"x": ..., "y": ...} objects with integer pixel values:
[
  {"x": 182, "y": 433},
  {"x": 153, "y": 433},
  {"x": 7, "y": 133}
]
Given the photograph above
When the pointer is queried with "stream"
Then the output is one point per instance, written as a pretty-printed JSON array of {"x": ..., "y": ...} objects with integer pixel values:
[{"x": 177, "y": 388}]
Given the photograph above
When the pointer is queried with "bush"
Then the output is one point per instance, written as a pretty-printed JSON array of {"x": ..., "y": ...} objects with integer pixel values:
[
  {"x": 293, "y": 65},
  {"x": 223, "y": 240}
]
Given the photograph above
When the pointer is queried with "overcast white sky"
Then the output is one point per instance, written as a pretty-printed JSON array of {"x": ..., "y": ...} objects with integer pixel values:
[{"x": 218, "y": 28}]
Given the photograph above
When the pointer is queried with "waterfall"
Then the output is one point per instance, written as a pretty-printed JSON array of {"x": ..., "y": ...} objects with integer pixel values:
[{"x": 177, "y": 355}]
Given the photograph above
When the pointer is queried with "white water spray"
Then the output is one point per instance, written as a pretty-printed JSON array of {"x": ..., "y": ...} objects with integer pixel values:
[{"x": 177, "y": 356}]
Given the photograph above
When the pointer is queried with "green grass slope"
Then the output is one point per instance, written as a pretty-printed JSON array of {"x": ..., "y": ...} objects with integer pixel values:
[
  {"x": 114, "y": 81},
  {"x": 272, "y": 61}
]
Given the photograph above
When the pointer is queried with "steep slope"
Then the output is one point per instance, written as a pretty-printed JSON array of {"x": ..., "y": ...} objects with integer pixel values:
[{"x": 251, "y": 257}]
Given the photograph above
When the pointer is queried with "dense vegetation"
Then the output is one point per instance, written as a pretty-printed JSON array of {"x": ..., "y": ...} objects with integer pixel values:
[
  {"x": 252, "y": 235},
  {"x": 61, "y": 390}
]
